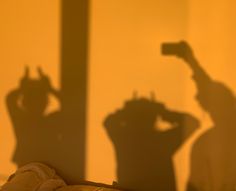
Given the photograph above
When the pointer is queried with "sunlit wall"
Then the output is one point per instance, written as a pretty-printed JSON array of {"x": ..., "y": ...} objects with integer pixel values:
[{"x": 124, "y": 57}]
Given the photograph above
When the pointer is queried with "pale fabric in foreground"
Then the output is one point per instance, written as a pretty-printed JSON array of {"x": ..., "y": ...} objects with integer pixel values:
[
  {"x": 33, "y": 177},
  {"x": 85, "y": 188},
  {"x": 39, "y": 177}
]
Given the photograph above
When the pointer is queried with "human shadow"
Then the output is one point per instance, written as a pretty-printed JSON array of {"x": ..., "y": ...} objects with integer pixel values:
[
  {"x": 144, "y": 152},
  {"x": 57, "y": 138},
  {"x": 39, "y": 136},
  {"x": 213, "y": 155}
]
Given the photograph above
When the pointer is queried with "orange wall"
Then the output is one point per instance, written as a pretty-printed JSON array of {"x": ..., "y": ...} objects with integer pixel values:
[{"x": 125, "y": 38}]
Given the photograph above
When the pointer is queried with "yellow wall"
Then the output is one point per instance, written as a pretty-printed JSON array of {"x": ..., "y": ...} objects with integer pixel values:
[{"x": 125, "y": 38}]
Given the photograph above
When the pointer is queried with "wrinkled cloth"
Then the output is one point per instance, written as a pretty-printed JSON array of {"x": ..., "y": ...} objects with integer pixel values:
[
  {"x": 85, "y": 188},
  {"x": 33, "y": 177},
  {"x": 39, "y": 177}
]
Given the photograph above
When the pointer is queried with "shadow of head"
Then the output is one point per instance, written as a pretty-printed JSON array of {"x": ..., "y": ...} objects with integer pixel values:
[{"x": 35, "y": 97}]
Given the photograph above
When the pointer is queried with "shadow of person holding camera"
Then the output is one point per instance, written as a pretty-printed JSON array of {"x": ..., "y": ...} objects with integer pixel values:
[
  {"x": 39, "y": 136},
  {"x": 144, "y": 152},
  {"x": 213, "y": 157}
]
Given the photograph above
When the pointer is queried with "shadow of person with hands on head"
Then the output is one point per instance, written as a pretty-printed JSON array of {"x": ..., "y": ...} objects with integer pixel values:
[
  {"x": 213, "y": 158},
  {"x": 144, "y": 152},
  {"x": 37, "y": 134}
]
